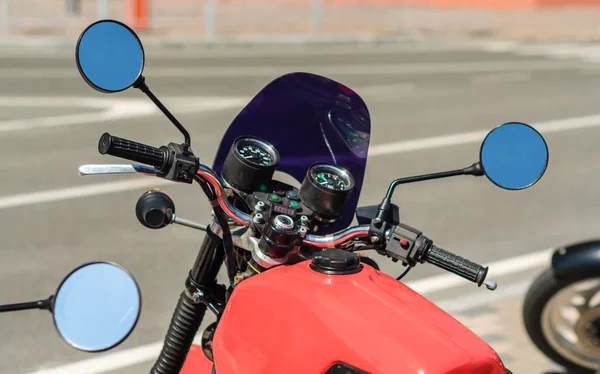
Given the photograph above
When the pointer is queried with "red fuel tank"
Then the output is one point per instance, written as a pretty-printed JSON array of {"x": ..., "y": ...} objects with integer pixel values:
[{"x": 294, "y": 319}]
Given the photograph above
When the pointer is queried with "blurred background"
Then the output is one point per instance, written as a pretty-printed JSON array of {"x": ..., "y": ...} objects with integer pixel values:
[
  {"x": 437, "y": 75},
  {"x": 275, "y": 19}
]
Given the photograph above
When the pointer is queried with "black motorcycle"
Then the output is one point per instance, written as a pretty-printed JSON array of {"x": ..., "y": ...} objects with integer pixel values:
[{"x": 561, "y": 311}]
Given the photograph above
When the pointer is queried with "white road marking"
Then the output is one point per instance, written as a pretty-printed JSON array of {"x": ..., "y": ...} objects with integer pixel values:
[
  {"x": 108, "y": 362},
  {"x": 115, "y": 113},
  {"x": 113, "y": 109},
  {"x": 144, "y": 353},
  {"x": 586, "y": 52},
  {"x": 482, "y": 324},
  {"x": 79, "y": 192},
  {"x": 479, "y": 298},
  {"x": 478, "y": 136},
  {"x": 495, "y": 78},
  {"x": 498, "y": 46}
]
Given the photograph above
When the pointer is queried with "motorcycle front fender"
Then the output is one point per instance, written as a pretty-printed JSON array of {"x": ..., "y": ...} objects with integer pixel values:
[{"x": 577, "y": 258}]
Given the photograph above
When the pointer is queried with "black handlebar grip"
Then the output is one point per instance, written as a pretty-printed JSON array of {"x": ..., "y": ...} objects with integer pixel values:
[
  {"x": 129, "y": 150},
  {"x": 456, "y": 264}
]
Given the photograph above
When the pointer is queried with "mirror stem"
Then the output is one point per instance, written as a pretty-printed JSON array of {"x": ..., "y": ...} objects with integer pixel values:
[
  {"x": 40, "y": 304},
  {"x": 476, "y": 170},
  {"x": 188, "y": 223},
  {"x": 384, "y": 207},
  {"x": 141, "y": 84}
]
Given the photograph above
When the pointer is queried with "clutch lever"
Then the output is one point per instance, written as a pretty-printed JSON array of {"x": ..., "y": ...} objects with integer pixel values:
[{"x": 96, "y": 169}]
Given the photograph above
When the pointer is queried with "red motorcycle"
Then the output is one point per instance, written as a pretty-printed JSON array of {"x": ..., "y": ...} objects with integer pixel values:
[{"x": 300, "y": 299}]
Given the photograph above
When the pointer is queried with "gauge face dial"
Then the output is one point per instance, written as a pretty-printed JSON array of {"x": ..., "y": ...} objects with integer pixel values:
[
  {"x": 332, "y": 177},
  {"x": 255, "y": 155},
  {"x": 256, "y": 152},
  {"x": 330, "y": 180},
  {"x": 325, "y": 190}
]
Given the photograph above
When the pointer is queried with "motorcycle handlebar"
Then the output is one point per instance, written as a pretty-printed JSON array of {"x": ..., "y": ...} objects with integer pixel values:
[
  {"x": 434, "y": 255},
  {"x": 459, "y": 266},
  {"x": 159, "y": 158},
  {"x": 133, "y": 151},
  {"x": 334, "y": 240}
]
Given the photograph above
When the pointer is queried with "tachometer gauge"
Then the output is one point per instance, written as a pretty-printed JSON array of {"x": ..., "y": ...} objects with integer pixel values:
[
  {"x": 250, "y": 162},
  {"x": 333, "y": 181},
  {"x": 326, "y": 189}
]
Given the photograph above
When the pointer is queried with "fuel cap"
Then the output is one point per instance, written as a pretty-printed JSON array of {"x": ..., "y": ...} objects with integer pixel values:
[{"x": 336, "y": 262}]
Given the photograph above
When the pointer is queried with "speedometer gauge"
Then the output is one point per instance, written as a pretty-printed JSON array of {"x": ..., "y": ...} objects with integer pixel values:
[
  {"x": 256, "y": 151},
  {"x": 326, "y": 190},
  {"x": 250, "y": 162}
]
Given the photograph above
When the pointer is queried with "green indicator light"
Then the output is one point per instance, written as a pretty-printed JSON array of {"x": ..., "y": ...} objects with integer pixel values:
[
  {"x": 294, "y": 204},
  {"x": 275, "y": 197},
  {"x": 263, "y": 188}
]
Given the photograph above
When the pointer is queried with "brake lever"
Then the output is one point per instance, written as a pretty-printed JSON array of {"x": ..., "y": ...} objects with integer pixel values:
[{"x": 96, "y": 169}]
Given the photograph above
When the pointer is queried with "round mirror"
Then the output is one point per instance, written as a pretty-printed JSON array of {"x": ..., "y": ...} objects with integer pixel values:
[
  {"x": 110, "y": 56},
  {"x": 96, "y": 307},
  {"x": 514, "y": 156}
]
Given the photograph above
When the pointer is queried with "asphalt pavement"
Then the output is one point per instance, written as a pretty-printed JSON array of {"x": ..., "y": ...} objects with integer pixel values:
[{"x": 430, "y": 107}]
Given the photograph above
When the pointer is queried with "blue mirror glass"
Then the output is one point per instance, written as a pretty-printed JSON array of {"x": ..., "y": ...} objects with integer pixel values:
[
  {"x": 97, "y": 306},
  {"x": 514, "y": 156},
  {"x": 110, "y": 56}
]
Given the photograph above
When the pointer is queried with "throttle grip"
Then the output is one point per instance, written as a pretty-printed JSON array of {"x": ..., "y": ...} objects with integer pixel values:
[
  {"x": 459, "y": 266},
  {"x": 133, "y": 151}
]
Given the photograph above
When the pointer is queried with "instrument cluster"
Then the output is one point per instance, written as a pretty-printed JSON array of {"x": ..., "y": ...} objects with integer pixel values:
[
  {"x": 281, "y": 213},
  {"x": 251, "y": 164}
]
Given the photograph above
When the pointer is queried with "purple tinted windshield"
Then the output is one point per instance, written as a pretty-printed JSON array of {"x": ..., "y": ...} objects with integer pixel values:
[{"x": 309, "y": 119}]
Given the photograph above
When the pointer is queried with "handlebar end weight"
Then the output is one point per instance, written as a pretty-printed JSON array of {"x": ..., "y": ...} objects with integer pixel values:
[{"x": 105, "y": 143}]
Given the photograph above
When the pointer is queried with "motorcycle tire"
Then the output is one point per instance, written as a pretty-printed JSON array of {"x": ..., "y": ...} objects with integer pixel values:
[{"x": 539, "y": 294}]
